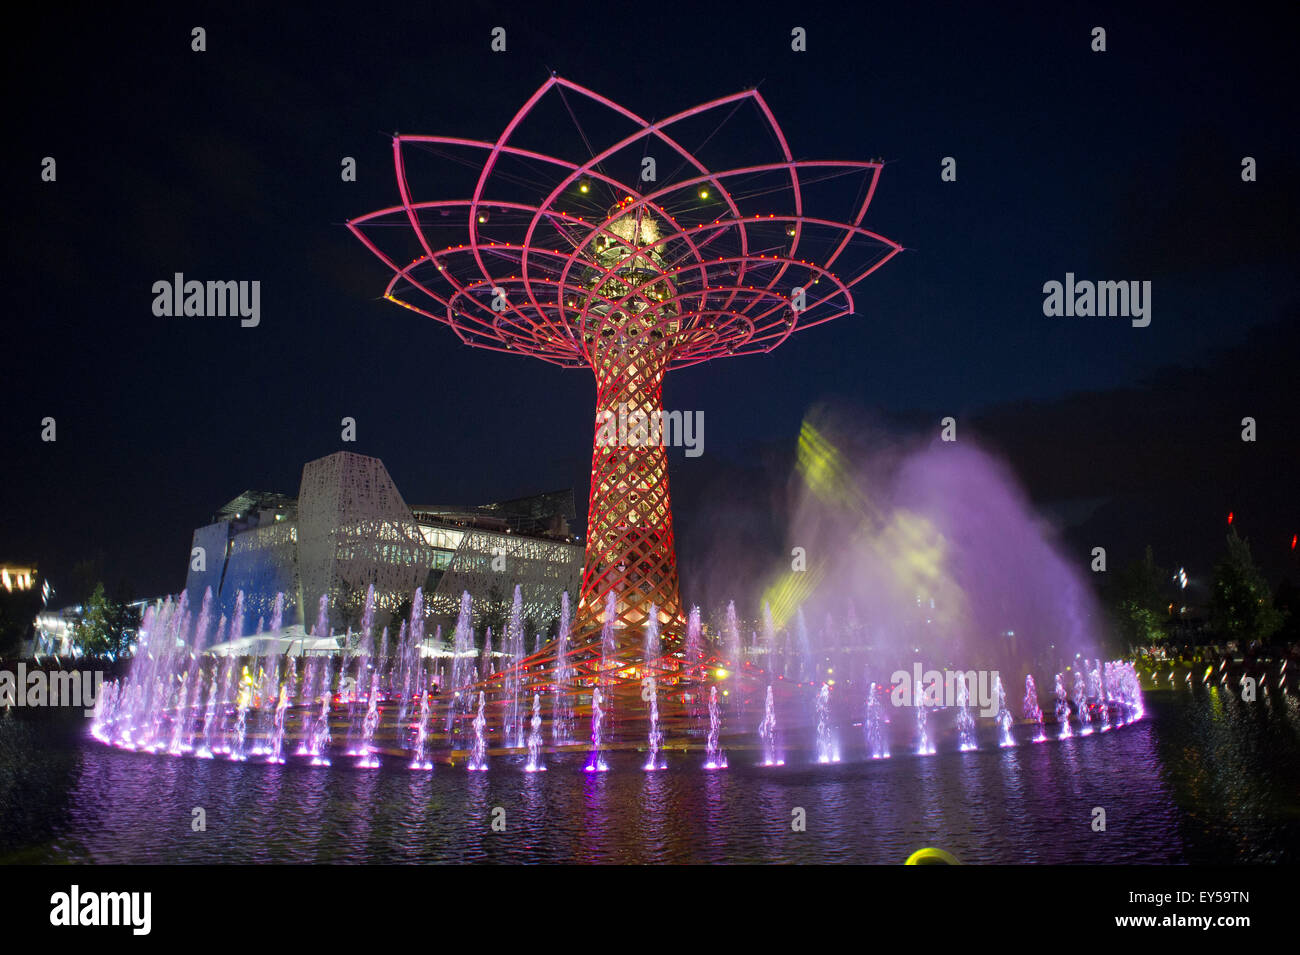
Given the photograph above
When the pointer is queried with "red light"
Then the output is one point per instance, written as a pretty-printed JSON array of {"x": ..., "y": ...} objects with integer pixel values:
[
  {"x": 1230, "y": 517},
  {"x": 1293, "y": 537}
]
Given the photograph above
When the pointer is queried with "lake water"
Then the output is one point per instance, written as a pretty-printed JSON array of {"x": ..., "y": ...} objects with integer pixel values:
[{"x": 1203, "y": 779}]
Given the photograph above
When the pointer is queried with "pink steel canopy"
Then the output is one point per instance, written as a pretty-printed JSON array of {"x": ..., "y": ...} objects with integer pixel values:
[{"x": 730, "y": 245}]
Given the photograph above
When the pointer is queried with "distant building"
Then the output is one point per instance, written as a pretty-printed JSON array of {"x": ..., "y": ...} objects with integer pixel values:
[
  {"x": 349, "y": 528},
  {"x": 17, "y": 577}
]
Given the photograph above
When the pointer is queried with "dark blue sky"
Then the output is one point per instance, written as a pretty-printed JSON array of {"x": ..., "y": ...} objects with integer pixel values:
[{"x": 225, "y": 164}]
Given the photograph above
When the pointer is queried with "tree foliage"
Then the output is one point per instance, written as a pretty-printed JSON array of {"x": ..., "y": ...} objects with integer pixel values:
[
  {"x": 105, "y": 625},
  {"x": 1241, "y": 604},
  {"x": 1139, "y": 603}
]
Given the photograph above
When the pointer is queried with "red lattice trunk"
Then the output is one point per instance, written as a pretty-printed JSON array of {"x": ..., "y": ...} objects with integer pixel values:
[{"x": 630, "y": 549}]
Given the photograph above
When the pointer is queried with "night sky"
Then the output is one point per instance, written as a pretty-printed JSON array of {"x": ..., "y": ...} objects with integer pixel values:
[{"x": 225, "y": 165}]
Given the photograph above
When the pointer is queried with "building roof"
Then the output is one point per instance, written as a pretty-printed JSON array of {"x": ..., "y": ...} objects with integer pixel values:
[{"x": 254, "y": 501}]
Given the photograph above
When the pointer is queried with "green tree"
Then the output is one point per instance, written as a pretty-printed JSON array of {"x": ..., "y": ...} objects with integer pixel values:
[
  {"x": 1139, "y": 604},
  {"x": 1241, "y": 604},
  {"x": 105, "y": 624}
]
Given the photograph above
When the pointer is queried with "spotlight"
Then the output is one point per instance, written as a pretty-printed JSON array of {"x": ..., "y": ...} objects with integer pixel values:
[
  {"x": 584, "y": 185},
  {"x": 704, "y": 192}
]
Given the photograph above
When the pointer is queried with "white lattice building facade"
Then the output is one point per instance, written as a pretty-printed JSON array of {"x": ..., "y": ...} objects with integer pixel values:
[{"x": 349, "y": 528}]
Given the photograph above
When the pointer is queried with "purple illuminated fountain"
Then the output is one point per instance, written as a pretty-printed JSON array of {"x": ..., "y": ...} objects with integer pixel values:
[
  {"x": 535, "y": 764},
  {"x": 275, "y": 752},
  {"x": 513, "y": 729},
  {"x": 874, "y": 726},
  {"x": 767, "y": 733},
  {"x": 965, "y": 722},
  {"x": 269, "y": 685},
  {"x": 318, "y": 744},
  {"x": 714, "y": 757},
  {"x": 596, "y": 761},
  {"x": 1081, "y": 704},
  {"x": 562, "y": 704},
  {"x": 1062, "y": 709},
  {"x": 478, "y": 761},
  {"x": 1099, "y": 693},
  {"x": 924, "y": 745},
  {"x": 1004, "y": 719},
  {"x": 694, "y": 654},
  {"x": 731, "y": 643},
  {"x": 462, "y": 662},
  {"x": 177, "y": 746},
  {"x": 180, "y": 701},
  {"x": 240, "y": 736},
  {"x": 1032, "y": 712},
  {"x": 366, "y": 751},
  {"x": 827, "y": 750},
  {"x": 650, "y": 689},
  {"x": 418, "y": 758}
]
